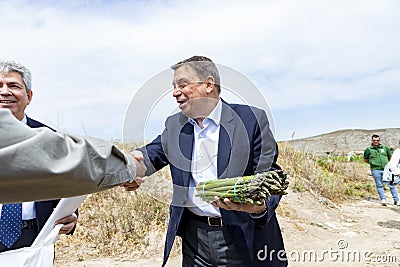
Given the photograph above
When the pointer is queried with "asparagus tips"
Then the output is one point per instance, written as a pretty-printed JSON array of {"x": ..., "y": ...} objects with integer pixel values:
[{"x": 247, "y": 189}]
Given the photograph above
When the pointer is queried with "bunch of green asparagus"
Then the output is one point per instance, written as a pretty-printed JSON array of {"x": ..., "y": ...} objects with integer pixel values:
[{"x": 247, "y": 189}]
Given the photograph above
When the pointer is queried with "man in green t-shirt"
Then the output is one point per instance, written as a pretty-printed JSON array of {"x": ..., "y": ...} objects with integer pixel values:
[{"x": 378, "y": 156}]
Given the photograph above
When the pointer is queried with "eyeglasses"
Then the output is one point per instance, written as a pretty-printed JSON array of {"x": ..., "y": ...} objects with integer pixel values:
[{"x": 181, "y": 86}]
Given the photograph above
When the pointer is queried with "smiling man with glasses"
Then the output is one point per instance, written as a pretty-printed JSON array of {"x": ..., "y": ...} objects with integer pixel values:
[
  {"x": 378, "y": 156},
  {"x": 212, "y": 139}
]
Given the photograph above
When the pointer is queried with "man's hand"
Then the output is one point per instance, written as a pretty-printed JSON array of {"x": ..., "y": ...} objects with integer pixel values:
[
  {"x": 140, "y": 172},
  {"x": 69, "y": 223},
  {"x": 140, "y": 167},
  {"x": 245, "y": 207}
]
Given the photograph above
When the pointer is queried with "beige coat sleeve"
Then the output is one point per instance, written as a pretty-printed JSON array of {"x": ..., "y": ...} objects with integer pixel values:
[{"x": 38, "y": 164}]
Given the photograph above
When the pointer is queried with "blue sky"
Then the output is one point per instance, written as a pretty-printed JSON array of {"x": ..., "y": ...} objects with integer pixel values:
[{"x": 322, "y": 65}]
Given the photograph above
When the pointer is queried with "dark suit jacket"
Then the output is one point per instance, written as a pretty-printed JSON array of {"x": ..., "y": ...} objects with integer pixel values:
[
  {"x": 43, "y": 208},
  {"x": 246, "y": 146}
]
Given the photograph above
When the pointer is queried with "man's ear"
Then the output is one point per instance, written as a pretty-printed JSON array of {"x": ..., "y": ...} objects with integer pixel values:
[
  {"x": 29, "y": 94},
  {"x": 210, "y": 84}
]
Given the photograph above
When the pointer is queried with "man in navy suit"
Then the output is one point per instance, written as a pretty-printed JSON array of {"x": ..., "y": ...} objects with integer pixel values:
[
  {"x": 211, "y": 139},
  {"x": 15, "y": 95}
]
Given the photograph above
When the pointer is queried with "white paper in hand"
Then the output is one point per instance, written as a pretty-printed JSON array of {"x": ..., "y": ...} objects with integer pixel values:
[{"x": 65, "y": 207}]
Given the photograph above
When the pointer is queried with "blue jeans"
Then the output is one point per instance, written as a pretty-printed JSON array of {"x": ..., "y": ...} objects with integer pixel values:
[{"x": 377, "y": 174}]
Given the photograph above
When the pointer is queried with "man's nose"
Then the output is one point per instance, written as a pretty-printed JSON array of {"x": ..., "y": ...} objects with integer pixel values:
[
  {"x": 4, "y": 90},
  {"x": 176, "y": 92}
]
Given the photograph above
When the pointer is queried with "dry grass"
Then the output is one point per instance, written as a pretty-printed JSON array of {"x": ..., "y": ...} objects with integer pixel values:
[
  {"x": 121, "y": 225},
  {"x": 126, "y": 226},
  {"x": 334, "y": 178}
]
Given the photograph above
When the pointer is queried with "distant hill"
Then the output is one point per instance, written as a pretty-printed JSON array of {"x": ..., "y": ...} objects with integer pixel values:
[{"x": 345, "y": 141}]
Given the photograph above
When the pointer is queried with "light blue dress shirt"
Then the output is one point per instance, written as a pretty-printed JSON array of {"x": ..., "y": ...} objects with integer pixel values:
[{"x": 204, "y": 160}]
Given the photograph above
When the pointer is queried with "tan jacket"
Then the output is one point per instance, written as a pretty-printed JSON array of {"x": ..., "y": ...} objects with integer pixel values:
[{"x": 38, "y": 164}]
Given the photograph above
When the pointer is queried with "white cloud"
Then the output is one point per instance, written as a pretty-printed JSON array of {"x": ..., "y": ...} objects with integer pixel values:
[{"x": 88, "y": 58}]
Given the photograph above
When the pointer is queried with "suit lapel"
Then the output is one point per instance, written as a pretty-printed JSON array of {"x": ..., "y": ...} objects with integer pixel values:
[
  {"x": 35, "y": 124},
  {"x": 186, "y": 147},
  {"x": 226, "y": 132},
  {"x": 30, "y": 122}
]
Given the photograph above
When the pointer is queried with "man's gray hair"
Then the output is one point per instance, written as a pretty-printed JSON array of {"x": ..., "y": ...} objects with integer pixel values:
[
  {"x": 12, "y": 66},
  {"x": 203, "y": 67}
]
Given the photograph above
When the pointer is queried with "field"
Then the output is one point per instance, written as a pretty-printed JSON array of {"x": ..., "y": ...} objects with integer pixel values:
[{"x": 121, "y": 227}]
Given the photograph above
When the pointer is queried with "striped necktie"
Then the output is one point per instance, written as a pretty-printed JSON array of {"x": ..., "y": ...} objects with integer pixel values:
[{"x": 10, "y": 224}]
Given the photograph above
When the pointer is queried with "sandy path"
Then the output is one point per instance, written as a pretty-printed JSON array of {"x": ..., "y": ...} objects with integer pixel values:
[{"x": 361, "y": 233}]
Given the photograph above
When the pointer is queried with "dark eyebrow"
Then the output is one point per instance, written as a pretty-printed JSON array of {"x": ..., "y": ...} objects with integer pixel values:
[{"x": 15, "y": 84}]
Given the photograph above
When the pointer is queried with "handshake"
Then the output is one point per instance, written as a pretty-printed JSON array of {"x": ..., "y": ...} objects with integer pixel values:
[{"x": 140, "y": 172}]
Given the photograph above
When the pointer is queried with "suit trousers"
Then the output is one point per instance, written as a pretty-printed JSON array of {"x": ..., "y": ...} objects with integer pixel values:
[
  {"x": 26, "y": 239},
  {"x": 205, "y": 245}
]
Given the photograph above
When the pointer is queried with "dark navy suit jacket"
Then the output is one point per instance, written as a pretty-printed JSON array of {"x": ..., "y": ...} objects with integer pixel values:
[
  {"x": 246, "y": 146},
  {"x": 43, "y": 208}
]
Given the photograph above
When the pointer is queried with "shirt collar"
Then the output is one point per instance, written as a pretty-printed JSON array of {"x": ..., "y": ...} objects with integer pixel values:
[
  {"x": 214, "y": 116},
  {"x": 24, "y": 120}
]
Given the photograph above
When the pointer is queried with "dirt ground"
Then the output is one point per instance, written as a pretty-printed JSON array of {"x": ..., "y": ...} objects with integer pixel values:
[
  {"x": 319, "y": 233},
  {"x": 358, "y": 233}
]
